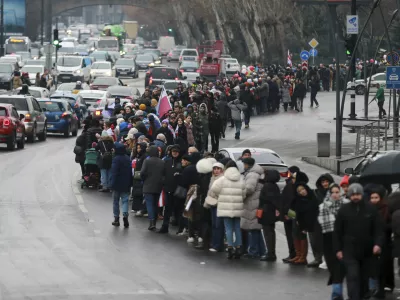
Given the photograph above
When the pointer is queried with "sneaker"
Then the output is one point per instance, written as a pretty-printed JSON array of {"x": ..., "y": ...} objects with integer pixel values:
[
  {"x": 323, "y": 266},
  {"x": 190, "y": 240},
  {"x": 133, "y": 211},
  {"x": 246, "y": 126},
  {"x": 139, "y": 214},
  {"x": 212, "y": 250}
]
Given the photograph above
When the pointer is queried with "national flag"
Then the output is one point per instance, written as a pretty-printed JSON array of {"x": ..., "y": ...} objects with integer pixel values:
[
  {"x": 161, "y": 199},
  {"x": 289, "y": 58},
  {"x": 163, "y": 105}
]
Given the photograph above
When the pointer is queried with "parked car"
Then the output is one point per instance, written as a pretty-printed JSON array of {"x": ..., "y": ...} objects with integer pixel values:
[
  {"x": 6, "y": 76},
  {"x": 190, "y": 69},
  {"x": 61, "y": 117},
  {"x": 101, "y": 69},
  {"x": 34, "y": 119},
  {"x": 126, "y": 67},
  {"x": 102, "y": 83},
  {"x": 36, "y": 92},
  {"x": 93, "y": 98},
  {"x": 124, "y": 92},
  {"x": 171, "y": 85},
  {"x": 173, "y": 55},
  {"x": 76, "y": 101},
  {"x": 266, "y": 158},
  {"x": 158, "y": 75},
  {"x": 375, "y": 79},
  {"x": 70, "y": 87},
  {"x": 12, "y": 129}
]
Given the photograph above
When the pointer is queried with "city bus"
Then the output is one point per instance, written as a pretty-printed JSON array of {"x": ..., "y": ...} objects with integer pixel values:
[{"x": 17, "y": 44}]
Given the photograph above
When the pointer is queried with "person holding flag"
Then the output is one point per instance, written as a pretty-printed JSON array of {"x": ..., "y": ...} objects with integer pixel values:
[{"x": 163, "y": 105}]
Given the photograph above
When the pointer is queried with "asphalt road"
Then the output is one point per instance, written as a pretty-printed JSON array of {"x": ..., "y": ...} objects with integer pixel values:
[{"x": 57, "y": 241}]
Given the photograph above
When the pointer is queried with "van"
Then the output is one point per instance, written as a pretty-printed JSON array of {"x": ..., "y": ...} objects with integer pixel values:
[
  {"x": 73, "y": 68},
  {"x": 166, "y": 44},
  {"x": 228, "y": 66},
  {"x": 188, "y": 55}
]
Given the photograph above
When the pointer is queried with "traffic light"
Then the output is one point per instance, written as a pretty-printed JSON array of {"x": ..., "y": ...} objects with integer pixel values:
[
  {"x": 56, "y": 41},
  {"x": 349, "y": 45},
  {"x": 169, "y": 29}
]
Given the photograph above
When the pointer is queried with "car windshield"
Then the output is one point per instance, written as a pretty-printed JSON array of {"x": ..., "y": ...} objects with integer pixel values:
[
  {"x": 101, "y": 66},
  {"x": 125, "y": 62},
  {"x": 35, "y": 93},
  {"x": 144, "y": 58},
  {"x": 71, "y": 100},
  {"x": 69, "y": 61},
  {"x": 105, "y": 81},
  {"x": 262, "y": 157},
  {"x": 173, "y": 85},
  {"x": 164, "y": 73},
  {"x": 66, "y": 86},
  {"x": 32, "y": 69},
  {"x": 98, "y": 55},
  {"x": 5, "y": 68},
  {"x": 231, "y": 61},
  {"x": 91, "y": 95},
  {"x": 190, "y": 64},
  {"x": 19, "y": 103},
  {"x": 52, "y": 106},
  {"x": 189, "y": 52}
]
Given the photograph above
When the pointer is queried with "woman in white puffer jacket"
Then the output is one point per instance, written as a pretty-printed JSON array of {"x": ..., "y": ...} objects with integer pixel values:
[{"x": 230, "y": 191}]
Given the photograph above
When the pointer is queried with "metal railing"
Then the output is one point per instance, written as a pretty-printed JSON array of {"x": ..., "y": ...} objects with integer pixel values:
[{"x": 377, "y": 135}]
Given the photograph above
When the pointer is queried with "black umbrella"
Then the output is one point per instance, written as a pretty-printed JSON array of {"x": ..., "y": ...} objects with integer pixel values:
[{"x": 385, "y": 170}]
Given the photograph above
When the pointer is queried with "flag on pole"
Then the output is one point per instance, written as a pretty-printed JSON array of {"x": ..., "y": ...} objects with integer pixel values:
[
  {"x": 163, "y": 105},
  {"x": 289, "y": 58}
]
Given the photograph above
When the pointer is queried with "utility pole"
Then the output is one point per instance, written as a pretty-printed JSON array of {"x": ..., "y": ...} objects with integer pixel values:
[
  {"x": 353, "y": 66},
  {"x": 2, "y": 28},
  {"x": 41, "y": 22}
]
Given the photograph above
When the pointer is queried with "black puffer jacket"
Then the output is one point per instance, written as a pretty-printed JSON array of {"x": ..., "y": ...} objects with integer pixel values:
[
  {"x": 106, "y": 144},
  {"x": 172, "y": 166},
  {"x": 320, "y": 192},
  {"x": 306, "y": 208},
  {"x": 270, "y": 198}
]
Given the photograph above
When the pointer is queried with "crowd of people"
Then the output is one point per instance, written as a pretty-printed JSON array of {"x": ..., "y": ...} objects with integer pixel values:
[{"x": 161, "y": 167}]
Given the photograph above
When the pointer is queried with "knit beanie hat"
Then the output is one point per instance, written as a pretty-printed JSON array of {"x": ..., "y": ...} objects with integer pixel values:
[{"x": 354, "y": 189}]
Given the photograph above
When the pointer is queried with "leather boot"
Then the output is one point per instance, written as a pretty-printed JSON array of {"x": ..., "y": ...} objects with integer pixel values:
[
  {"x": 297, "y": 248},
  {"x": 237, "y": 253},
  {"x": 126, "y": 222},
  {"x": 303, "y": 253},
  {"x": 152, "y": 226},
  {"x": 116, "y": 221},
  {"x": 230, "y": 253}
]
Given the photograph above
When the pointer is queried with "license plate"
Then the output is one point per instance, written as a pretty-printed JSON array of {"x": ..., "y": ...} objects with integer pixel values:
[
  {"x": 123, "y": 73},
  {"x": 50, "y": 126},
  {"x": 189, "y": 70},
  {"x": 188, "y": 58}
]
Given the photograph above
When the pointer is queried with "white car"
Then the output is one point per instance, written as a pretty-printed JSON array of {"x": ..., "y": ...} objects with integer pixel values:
[
  {"x": 32, "y": 71},
  {"x": 93, "y": 98},
  {"x": 101, "y": 69},
  {"x": 37, "y": 92},
  {"x": 377, "y": 78},
  {"x": 190, "y": 69},
  {"x": 229, "y": 66},
  {"x": 266, "y": 158},
  {"x": 188, "y": 55}
]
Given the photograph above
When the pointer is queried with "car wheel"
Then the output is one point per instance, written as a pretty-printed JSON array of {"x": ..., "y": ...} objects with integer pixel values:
[
  {"x": 21, "y": 142},
  {"x": 360, "y": 90},
  {"x": 43, "y": 136},
  {"x": 67, "y": 131},
  {"x": 11, "y": 142},
  {"x": 32, "y": 137}
]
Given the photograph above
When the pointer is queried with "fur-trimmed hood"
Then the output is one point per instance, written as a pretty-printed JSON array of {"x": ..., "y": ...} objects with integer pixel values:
[
  {"x": 205, "y": 165},
  {"x": 107, "y": 138},
  {"x": 232, "y": 174}
]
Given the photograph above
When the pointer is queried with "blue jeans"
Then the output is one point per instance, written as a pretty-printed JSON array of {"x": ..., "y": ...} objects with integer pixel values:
[
  {"x": 337, "y": 290},
  {"x": 106, "y": 178},
  {"x": 217, "y": 234},
  {"x": 238, "y": 126},
  {"x": 232, "y": 225},
  {"x": 124, "y": 196},
  {"x": 152, "y": 205},
  {"x": 256, "y": 243}
]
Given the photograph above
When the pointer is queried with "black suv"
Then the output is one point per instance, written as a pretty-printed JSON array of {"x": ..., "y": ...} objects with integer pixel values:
[{"x": 158, "y": 75}]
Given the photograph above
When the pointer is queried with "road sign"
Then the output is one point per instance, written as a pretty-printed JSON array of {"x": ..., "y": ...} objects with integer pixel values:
[
  {"x": 393, "y": 58},
  {"x": 313, "y": 43},
  {"x": 352, "y": 24},
  {"x": 313, "y": 52},
  {"x": 393, "y": 77},
  {"x": 304, "y": 65},
  {"x": 304, "y": 55}
]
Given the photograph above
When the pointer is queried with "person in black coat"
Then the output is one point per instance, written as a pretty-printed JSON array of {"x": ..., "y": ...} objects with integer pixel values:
[
  {"x": 299, "y": 94},
  {"x": 358, "y": 237},
  {"x": 121, "y": 183},
  {"x": 172, "y": 169},
  {"x": 94, "y": 132},
  {"x": 215, "y": 126},
  {"x": 81, "y": 145},
  {"x": 273, "y": 96},
  {"x": 104, "y": 162},
  {"x": 247, "y": 96},
  {"x": 223, "y": 111},
  {"x": 288, "y": 196},
  {"x": 270, "y": 202},
  {"x": 315, "y": 87},
  {"x": 137, "y": 190},
  {"x": 305, "y": 206},
  {"x": 152, "y": 174}
]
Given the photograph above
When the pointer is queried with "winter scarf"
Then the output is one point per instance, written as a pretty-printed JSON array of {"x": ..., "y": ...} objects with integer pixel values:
[{"x": 327, "y": 213}]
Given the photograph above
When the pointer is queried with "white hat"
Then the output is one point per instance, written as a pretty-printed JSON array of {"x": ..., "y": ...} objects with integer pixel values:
[
  {"x": 161, "y": 137},
  {"x": 131, "y": 134},
  {"x": 139, "y": 113},
  {"x": 256, "y": 80},
  {"x": 249, "y": 80},
  {"x": 218, "y": 165}
]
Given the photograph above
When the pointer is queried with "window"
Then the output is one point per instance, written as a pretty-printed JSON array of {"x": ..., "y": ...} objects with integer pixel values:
[
  {"x": 15, "y": 113},
  {"x": 3, "y": 112},
  {"x": 380, "y": 77},
  {"x": 164, "y": 73},
  {"x": 189, "y": 53},
  {"x": 36, "y": 105},
  {"x": 19, "y": 103},
  {"x": 51, "y": 106}
]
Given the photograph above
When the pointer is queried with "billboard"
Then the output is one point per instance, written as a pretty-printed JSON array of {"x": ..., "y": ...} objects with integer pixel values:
[{"x": 14, "y": 17}]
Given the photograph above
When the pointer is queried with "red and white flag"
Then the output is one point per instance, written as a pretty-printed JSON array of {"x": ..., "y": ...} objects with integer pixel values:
[
  {"x": 289, "y": 58},
  {"x": 163, "y": 105},
  {"x": 161, "y": 200}
]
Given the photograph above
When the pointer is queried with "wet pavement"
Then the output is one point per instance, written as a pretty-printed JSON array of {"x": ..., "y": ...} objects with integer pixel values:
[{"x": 57, "y": 241}]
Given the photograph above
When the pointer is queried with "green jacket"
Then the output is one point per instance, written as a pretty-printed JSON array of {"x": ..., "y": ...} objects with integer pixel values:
[{"x": 380, "y": 95}]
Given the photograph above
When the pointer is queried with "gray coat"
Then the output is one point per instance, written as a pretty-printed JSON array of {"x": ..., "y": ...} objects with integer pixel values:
[
  {"x": 285, "y": 93},
  {"x": 252, "y": 178},
  {"x": 152, "y": 172},
  {"x": 236, "y": 108},
  {"x": 263, "y": 89}
]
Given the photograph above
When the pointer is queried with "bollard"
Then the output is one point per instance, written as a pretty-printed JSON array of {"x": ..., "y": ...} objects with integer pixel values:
[{"x": 324, "y": 144}]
